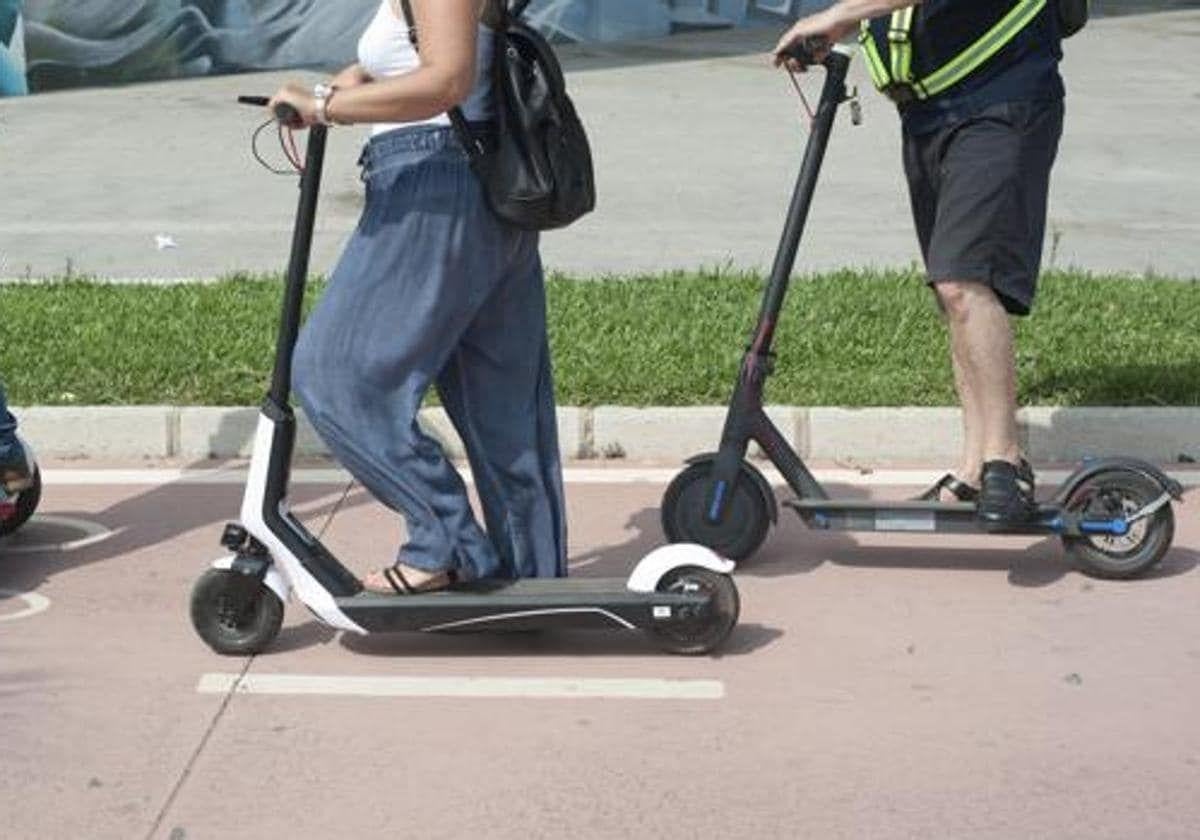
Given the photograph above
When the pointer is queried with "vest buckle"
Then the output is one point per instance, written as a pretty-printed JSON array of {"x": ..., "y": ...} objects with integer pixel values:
[{"x": 900, "y": 93}]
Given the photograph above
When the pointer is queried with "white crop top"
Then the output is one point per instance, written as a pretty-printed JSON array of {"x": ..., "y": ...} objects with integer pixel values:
[{"x": 385, "y": 50}]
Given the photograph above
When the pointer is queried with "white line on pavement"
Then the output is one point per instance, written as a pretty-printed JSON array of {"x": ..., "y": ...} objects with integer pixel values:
[
  {"x": 31, "y": 540},
  {"x": 34, "y": 604},
  {"x": 539, "y": 687},
  {"x": 572, "y": 475}
]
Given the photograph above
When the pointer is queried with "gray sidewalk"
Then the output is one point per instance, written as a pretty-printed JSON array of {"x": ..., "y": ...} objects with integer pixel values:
[{"x": 697, "y": 143}]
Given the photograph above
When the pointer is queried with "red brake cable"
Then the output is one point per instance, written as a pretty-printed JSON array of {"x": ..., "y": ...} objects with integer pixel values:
[
  {"x": 290, "y": 149},
  {"x": 800, "y": 91}
]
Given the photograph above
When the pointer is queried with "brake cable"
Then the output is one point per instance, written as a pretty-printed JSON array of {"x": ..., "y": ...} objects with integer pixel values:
[
  {"x": 334, "y": 510},
  {"x": 292, "y": 154},
  {"x": 800, "y": 91}
]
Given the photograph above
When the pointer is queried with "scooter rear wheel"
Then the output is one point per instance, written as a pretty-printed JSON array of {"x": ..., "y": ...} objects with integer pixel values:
[
  {"x": 741, "y": 530},
  {"x": 235, "y": 614},
  {"x": 27, "y": 502},
  {"x": 689, "y": 633},
  {"x": 1114, "y": 494}
]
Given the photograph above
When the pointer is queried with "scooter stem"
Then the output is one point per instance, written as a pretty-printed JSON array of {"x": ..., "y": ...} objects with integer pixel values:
[
  {"x": 297, "y": 273},
  {"x": 833, "y": 94}
]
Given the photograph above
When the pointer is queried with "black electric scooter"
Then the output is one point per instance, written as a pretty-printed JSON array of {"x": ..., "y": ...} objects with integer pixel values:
[
  {"x": 18, "y": 508},
  {"x": 1113, "y": 514},
  {"x": 682, "y": 595}
]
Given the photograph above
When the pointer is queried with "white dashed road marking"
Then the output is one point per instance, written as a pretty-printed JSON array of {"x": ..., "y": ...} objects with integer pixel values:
[{"x": 481, "y": 687}]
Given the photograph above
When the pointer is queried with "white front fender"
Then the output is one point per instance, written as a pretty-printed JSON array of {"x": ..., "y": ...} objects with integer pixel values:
[
  {"x": 273, "y": 579},
  {"x": 657, "y": 563}
]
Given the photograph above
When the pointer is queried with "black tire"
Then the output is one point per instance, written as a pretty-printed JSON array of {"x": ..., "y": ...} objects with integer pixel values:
[
  {"x": 1111, "y": 494},
  {"x": 235, "y": 614},
  {"x": 692, "y": 635},
  {"x": 27, "y": 502},
  {"x": 747, "y": 515}
]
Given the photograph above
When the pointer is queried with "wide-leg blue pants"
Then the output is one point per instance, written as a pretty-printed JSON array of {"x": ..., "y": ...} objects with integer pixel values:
[{"x": 433, "y": 289}]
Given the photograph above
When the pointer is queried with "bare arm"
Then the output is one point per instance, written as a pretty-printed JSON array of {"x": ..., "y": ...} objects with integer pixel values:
[
  {"x": 448, "y": 31},
  {"x": 839, "y": 20},
  {"x": 352, "y": 76}
]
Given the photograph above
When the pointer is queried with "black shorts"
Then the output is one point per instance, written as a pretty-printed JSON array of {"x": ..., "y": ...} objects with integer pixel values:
[{"x": 978, "y": 191}]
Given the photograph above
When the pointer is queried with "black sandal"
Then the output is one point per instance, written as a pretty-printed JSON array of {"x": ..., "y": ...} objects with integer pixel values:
[
  {"x": 395, "y": 577},
  {"x": 400, "y": 585},
  {"x": 960, "y": 489},
  {"x": 1007, "y": 492}
]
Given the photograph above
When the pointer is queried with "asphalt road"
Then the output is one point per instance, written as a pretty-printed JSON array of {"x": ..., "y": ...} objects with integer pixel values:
[{"x": 876, "y": 687}]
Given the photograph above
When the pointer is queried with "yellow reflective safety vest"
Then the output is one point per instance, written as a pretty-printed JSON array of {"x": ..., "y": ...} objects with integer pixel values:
[{"x": 891, "y": 63}]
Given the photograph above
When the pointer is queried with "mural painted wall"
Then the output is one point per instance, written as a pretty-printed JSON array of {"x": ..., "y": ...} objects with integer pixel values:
[
  {"x": 53, "y": 44},
  {"x": 68, "y": 43},
  {"x": 48, "y": 45},
  {"x": 12, "y": 52}
]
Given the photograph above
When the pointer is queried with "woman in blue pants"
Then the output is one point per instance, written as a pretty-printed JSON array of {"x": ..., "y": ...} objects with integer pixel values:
[{"x": 434, "y": 290}]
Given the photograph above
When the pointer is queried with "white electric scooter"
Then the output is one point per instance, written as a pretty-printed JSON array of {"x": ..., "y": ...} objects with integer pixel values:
[{"x": 681, "y": 595}]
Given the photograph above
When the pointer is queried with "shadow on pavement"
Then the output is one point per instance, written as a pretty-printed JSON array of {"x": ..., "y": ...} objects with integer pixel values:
[
  {"x": 745, "y": 639},
  {"x": 793, "y": 549},
  {"x": 149, "y": 519},
  {"x": 17, "y": 683},
  {"x": 1041, "y": 564}
]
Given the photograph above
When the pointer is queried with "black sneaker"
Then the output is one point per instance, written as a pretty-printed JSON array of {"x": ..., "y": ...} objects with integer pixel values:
[
  {"x": 1006, "y": 493},
  {"x": 16, "y": 469}
]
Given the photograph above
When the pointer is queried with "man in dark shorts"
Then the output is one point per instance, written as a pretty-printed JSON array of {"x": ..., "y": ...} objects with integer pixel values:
[{"x": 981, "y": 103}]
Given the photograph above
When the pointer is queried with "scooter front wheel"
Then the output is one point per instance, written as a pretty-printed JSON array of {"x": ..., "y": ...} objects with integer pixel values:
[
  {"x": 691, "y": 633},
  {"x": 234, "y": 613},
  {"x": 1117, "y": 494},
  {"x": 742, "y": 529},
  {"x": 26, "y": 505}
]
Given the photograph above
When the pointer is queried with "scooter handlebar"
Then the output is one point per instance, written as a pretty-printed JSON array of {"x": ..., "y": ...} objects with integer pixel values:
[
  {"x": 284, "y": 113},
  {"x": 804, "y": 51}
]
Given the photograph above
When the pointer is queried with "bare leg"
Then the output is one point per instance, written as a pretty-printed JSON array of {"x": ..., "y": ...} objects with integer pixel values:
[
  {"x": 985, "y": 374},
  {"x": 971, "y": 463}
]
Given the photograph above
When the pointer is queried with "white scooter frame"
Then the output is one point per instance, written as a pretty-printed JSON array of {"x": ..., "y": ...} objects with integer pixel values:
[{"x": 682, "y": 595}]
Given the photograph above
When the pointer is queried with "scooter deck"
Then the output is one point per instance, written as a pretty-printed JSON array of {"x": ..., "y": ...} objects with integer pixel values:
[
  {"x": 915, "y": 516},
  {"x": 579, "y": 603}
]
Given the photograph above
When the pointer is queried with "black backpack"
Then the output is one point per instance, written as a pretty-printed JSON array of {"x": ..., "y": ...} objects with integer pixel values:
[
  {"x": 1072, "y": 16},
  {"x": 537, "y": 175}
]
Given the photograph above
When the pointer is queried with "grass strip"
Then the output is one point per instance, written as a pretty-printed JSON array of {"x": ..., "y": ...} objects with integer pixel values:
[{"x": 850, "y": 338}]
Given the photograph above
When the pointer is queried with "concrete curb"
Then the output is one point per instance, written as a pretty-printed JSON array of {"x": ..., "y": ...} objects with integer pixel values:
[{"x": 860, "y": 436}]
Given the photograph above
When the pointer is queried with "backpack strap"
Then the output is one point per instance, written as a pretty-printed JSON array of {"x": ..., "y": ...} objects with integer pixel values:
[
  {"x": 472, "y": 144},
  {"x": 410, "y": 20}
]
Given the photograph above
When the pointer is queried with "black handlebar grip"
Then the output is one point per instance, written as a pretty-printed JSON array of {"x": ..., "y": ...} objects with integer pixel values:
[
  {"x": 805, "y": 50},
  {"x": 287, "y": 115}
]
